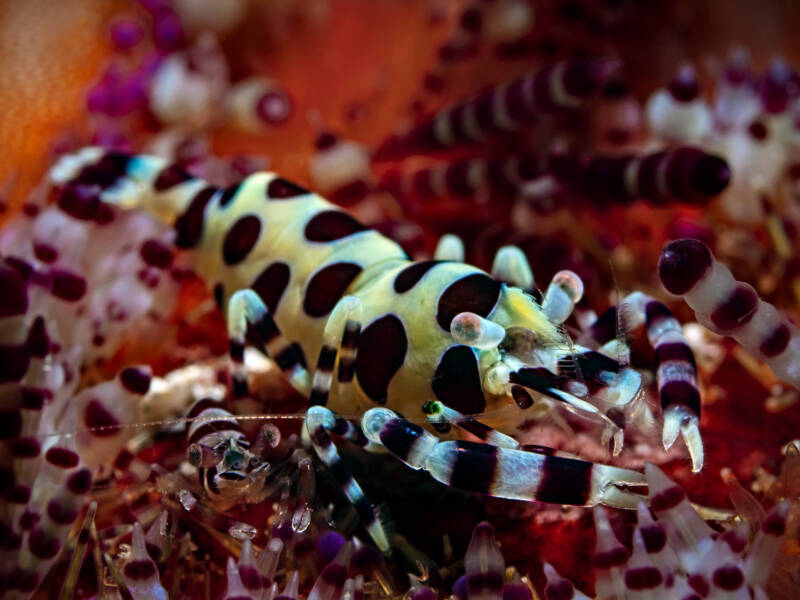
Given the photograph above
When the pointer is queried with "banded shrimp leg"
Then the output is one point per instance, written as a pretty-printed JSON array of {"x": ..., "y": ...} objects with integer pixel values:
[
  {"x": 502, "y": 471},
  {"x": 340, "y": 338},
  {"x": 340, "y": 342},
  {"x": 676, "y": 370}
]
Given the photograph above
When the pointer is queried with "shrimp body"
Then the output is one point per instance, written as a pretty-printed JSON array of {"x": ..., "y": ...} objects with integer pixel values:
[{"x": 397, "y": 341}]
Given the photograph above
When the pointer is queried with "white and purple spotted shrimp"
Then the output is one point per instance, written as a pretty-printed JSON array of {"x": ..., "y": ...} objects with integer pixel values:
[{"x": 437, "y": 341}]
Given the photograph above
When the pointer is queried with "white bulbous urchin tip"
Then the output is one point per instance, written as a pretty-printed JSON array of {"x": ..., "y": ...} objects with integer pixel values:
[
  {"x": 564, "y": 291},
  {"x": 373, "y": 422},
  {"x": 450, "y": 247},
  {"x": 571, "y": 283},
  {"x": 511, "y": 265},
  {"x": 320, "y": 416},
  {"x": 473, "y": 330}
]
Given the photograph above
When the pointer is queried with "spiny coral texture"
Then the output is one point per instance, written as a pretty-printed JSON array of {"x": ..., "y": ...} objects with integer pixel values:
[
  {"x": 249, "y": 577},
  {"x": 325, "y": 567},
  {"x": 679, "y": 556},
  {"x": 674, "y": 555}
]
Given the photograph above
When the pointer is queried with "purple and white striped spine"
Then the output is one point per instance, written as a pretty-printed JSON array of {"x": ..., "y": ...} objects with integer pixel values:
[
  {"x": 50, "y": 514},
  {"x": 675, "y": 554},
  {"x": 503, "y": 108},
  {"x": 729, "y": 307},
  {"x": 140, "y": 573},
  {"x": 685, "y": 174},
  {"x": 333, "y": 577},
  {"x": 468, "y": 177},
  {"x": 484, "y": 565},
  {"x": 104, "y": 410}
]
